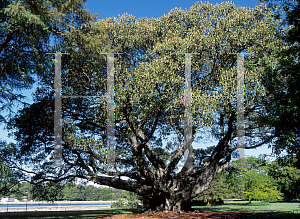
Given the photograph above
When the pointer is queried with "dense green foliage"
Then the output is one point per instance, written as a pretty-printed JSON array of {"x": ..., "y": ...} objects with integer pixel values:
[
  {"x": 253, "y": 182},
  {"x": 47, "y": 191},
  {"x": 26, "y": 29},
  {"x": 286, "y": 173},
  {"x": 72, "y": 192},
  {"x": 69, "y": 192},
  {"x": 282, "y": 79},
  {"x": 8, "y": 177}
]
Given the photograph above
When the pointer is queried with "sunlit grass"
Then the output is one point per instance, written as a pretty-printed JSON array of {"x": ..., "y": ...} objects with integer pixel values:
[{"x": 258, "y": 207}]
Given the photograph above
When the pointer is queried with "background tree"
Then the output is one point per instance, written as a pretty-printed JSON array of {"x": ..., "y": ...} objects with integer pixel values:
[
  {"x": 282, "y": 80},
  {"x": 149, "y": 98},
  {"x": 27, "y": 28},
  {"x": 126, "y": 199},
  {"x": 47, "y": 192},
  {"x": 8, "y": 177},
  {"x": 234, "y": 183},
  {"x": 255, "y": 184},
  {"x": 74, "y": 192},
  {"x": 287, "y": 176},
  {"x": 23, "y": 191},
  {"x": 92, "y": 193}
]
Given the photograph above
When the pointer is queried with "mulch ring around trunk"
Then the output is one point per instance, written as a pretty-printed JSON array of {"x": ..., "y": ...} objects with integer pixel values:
[{"x": 160, "y": 215}]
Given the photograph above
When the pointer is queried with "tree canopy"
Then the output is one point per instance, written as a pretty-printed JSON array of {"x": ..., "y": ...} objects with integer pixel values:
[
  {"x": 149, "y": 96},
  {"x": 29, "y": 30},
  {"x": 258, "y": 184},
  {"x": 26, "y": 31},
  {"x": 287, "y": 175},
  {"x": 282, "y": 83}
]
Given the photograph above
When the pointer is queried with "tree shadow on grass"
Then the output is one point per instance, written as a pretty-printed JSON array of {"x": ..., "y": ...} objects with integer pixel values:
[
  {"x": 279, "y": 215},
  {"x": 247, "y": 204},
  {"x": 64, "y": 214}
]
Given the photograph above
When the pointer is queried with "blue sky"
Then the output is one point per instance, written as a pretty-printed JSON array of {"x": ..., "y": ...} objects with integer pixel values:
[{"x": 150, "y": 8}]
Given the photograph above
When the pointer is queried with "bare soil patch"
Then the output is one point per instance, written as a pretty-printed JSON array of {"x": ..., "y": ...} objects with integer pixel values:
[{"x": 233, "y": 214}]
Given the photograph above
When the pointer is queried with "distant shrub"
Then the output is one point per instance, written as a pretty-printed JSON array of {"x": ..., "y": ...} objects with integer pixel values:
[
  {"x": 125, "y": 204},
  {"x": 118, "y": 204}
]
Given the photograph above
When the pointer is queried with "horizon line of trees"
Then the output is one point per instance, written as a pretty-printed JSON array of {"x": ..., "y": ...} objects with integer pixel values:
[{"x": 68, "y": 192}]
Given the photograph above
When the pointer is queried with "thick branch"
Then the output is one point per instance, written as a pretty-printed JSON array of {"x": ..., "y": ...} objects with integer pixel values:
[
  {"x": 260, "y": 144},
  {"x": 217, "y": 153},
  {"x": 151, "y": 155},
  {"x": 123, "y": 184},
  {"x": 175, "y": 159},
  {"x": 8, "y": 38}
]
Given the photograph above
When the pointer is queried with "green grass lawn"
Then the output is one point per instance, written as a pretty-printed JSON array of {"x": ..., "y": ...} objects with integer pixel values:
[
  {"x": 273, "y": 210},
  {"x": 261, "y": 209}
]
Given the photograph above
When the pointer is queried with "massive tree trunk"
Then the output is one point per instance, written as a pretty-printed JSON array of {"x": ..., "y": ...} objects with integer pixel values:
[
  {"x": 164, "y": 204},
  {"x": 176, "y": 197}
]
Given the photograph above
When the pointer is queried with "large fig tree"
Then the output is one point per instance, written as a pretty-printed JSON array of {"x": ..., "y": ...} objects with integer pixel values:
[{"x": 149, "y": 85}]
